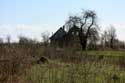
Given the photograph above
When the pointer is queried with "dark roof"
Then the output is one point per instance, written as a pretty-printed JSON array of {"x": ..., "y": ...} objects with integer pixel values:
[
  {"x": 74, "y": 29},
  {"x": 58, "y": 34}
]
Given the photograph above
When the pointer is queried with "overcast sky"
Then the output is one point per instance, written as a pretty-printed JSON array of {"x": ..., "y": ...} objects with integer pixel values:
[{"x": 32, "y": 17}]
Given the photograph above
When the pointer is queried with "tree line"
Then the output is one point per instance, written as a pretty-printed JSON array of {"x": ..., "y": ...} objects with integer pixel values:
[{"x": 89, "y": 33}]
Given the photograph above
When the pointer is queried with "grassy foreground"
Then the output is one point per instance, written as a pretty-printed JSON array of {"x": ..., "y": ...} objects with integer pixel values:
[
  {"x": 106, "y": 53},
  {"x": 18, "y": 64},
  {"x": 74, "y": 73}
]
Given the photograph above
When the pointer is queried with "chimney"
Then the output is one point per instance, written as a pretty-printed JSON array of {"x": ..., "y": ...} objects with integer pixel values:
[{"x": 63, "y": 27}]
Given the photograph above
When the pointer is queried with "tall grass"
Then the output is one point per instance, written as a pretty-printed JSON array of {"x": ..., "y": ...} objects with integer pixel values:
[
  {"x": 75, "y": 73},
  {"x": 18, "y": 64}
]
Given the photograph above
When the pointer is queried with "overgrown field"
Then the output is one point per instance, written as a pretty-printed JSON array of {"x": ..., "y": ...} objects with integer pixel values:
[
  {"x": 19, "y": 64},
  {"x": 75, "y": 73}
]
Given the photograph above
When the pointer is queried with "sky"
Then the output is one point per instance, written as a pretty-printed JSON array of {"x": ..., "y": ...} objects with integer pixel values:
[{"x": 30, "y": 18}]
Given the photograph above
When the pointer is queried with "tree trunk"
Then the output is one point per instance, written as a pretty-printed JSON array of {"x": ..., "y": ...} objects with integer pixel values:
[
  {"x": 112, "y": 43},
  {"x": 84, "y": 37},
  {"x": 84, "y": 44}
]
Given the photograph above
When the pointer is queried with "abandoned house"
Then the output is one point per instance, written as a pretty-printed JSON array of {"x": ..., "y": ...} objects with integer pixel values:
[{"x": 63, "y": 38}]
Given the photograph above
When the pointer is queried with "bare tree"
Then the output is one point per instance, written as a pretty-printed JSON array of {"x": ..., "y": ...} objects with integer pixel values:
[
  {"x": 72, "y": 20},
  {"x": 25, "y": 40},
  {"x": 8, "y": 39},
  {"x": 45, "y": 38},
  {"x": 112, "y": 36},
  {"x": 86, "y": 22},
  {"x": 105, "y": 39},
  {"x": 1, "y": 41},
  {"x": 93, "y": 38},
  {"x": 89, "y": 21}
]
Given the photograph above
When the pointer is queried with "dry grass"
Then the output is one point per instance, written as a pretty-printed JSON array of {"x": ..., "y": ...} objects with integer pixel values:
[{"x": 18, "y": 63}]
